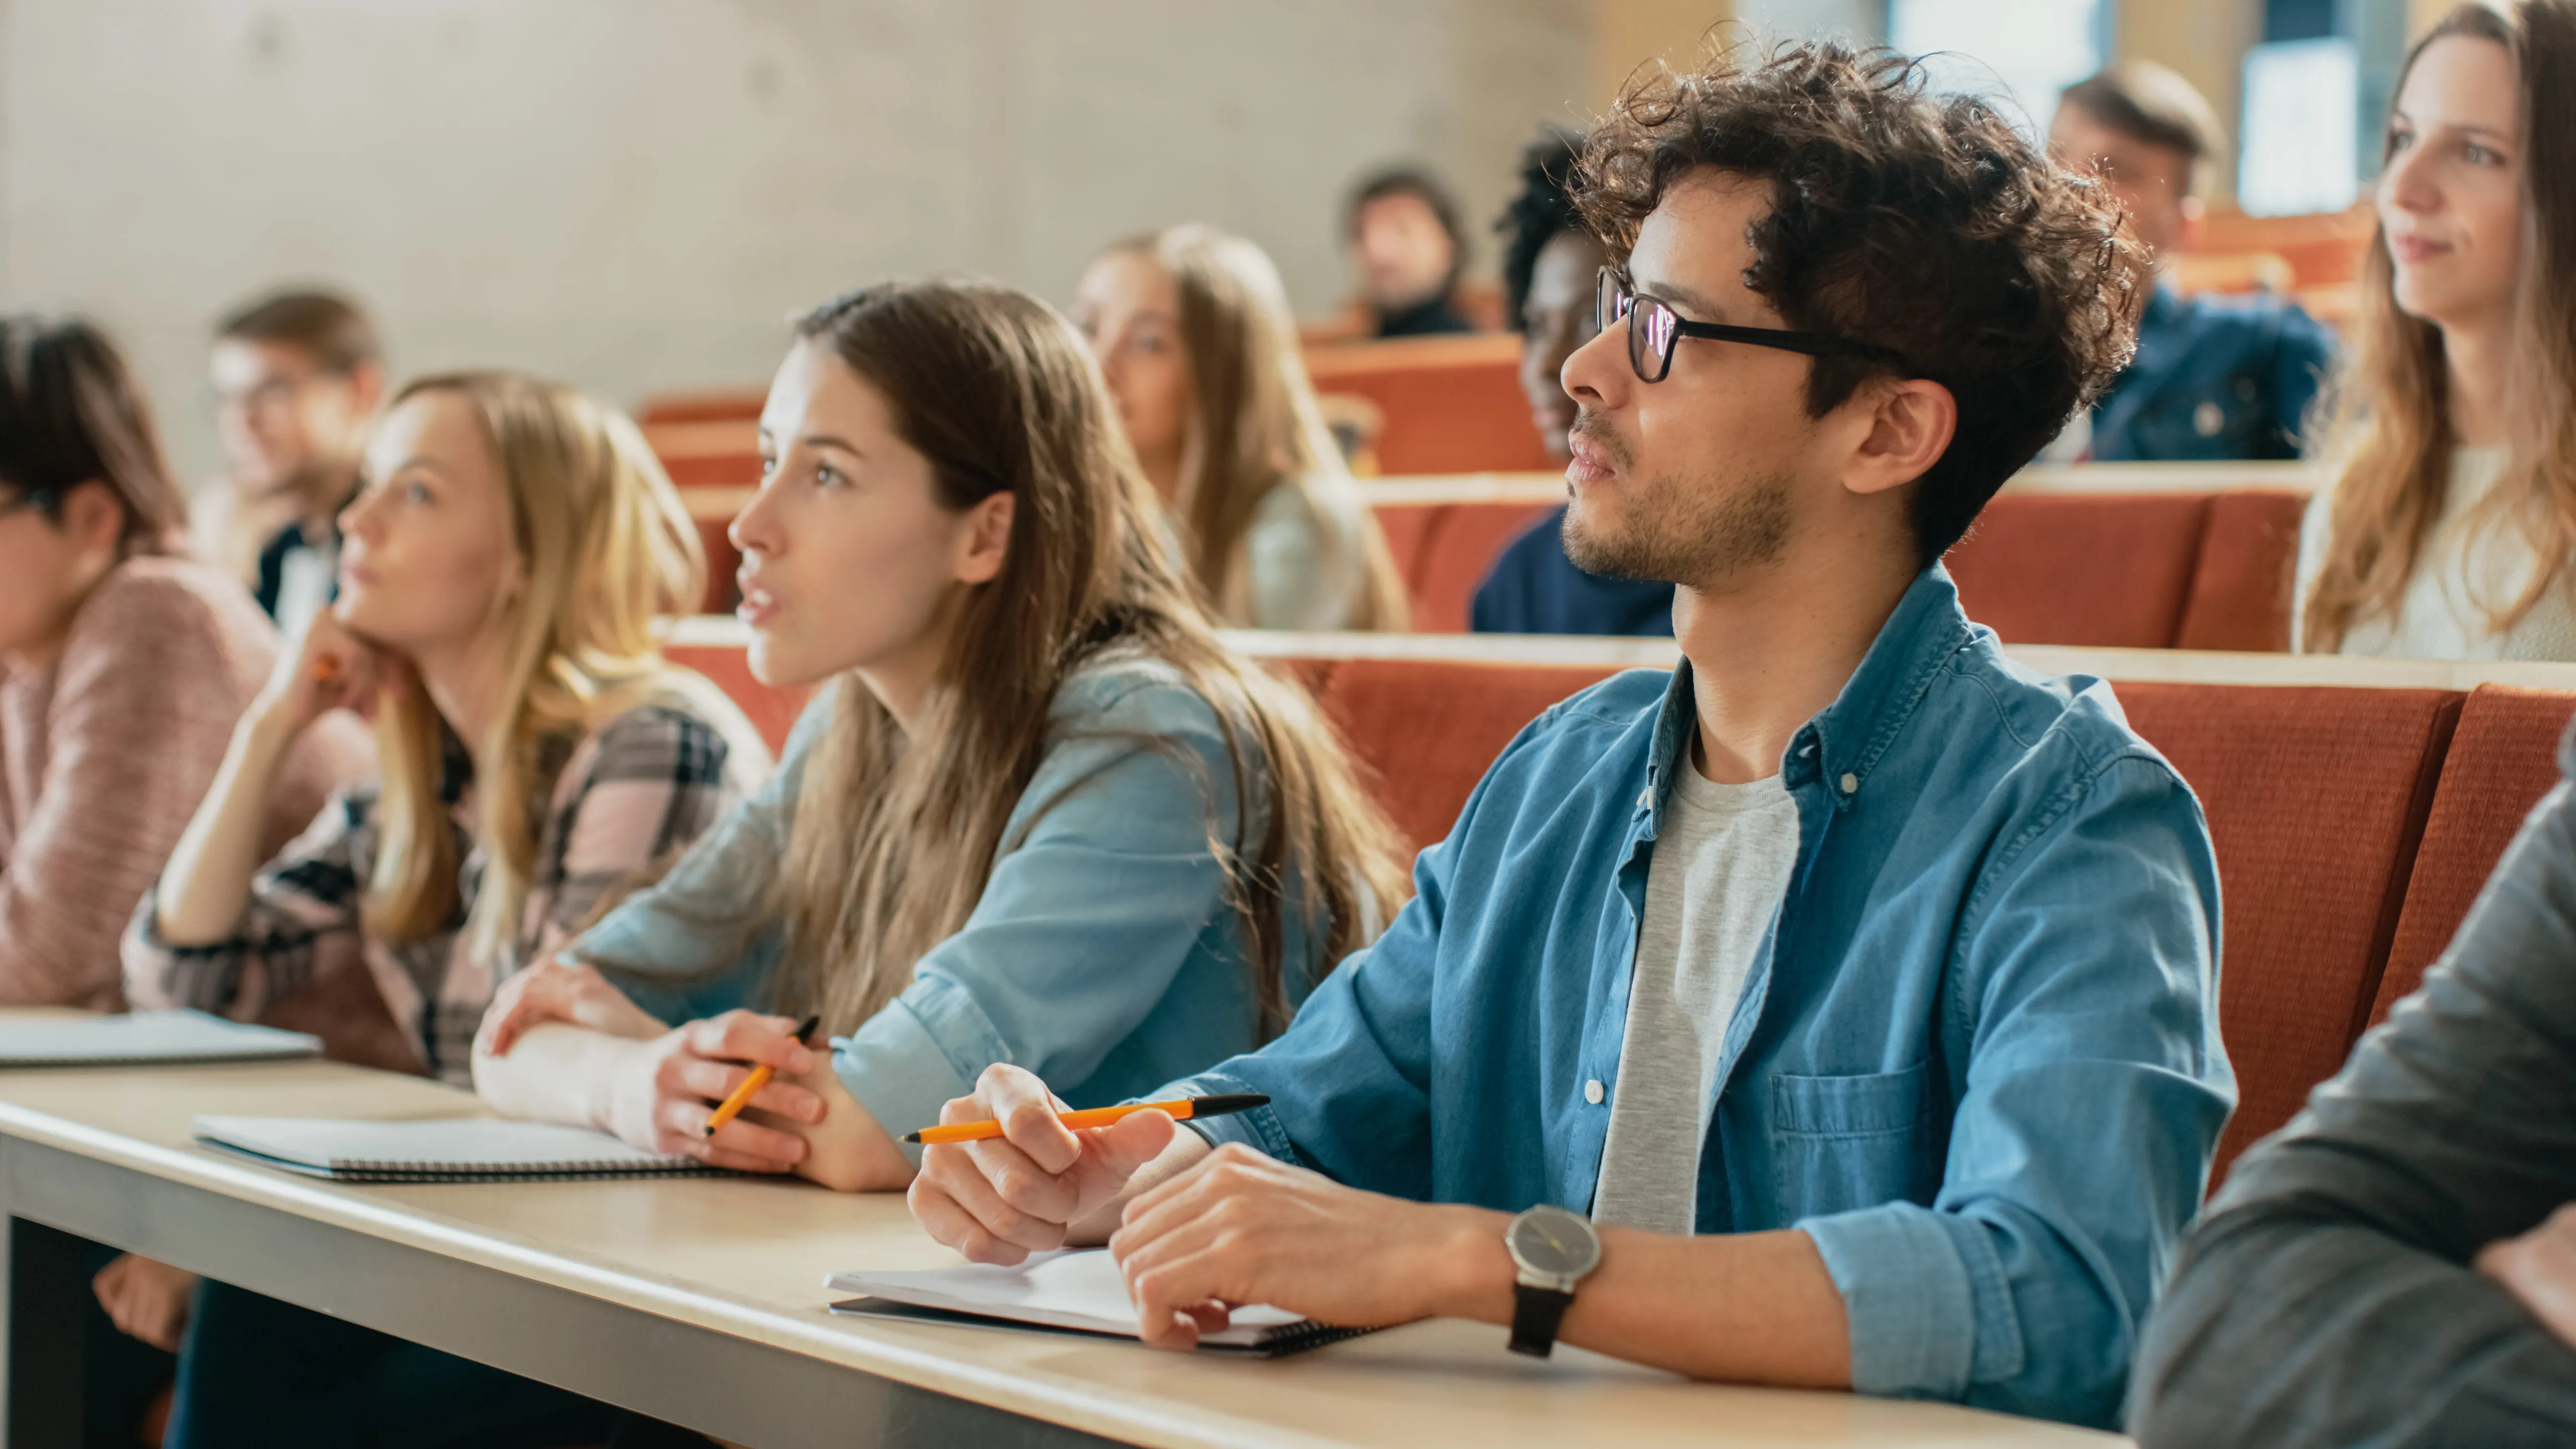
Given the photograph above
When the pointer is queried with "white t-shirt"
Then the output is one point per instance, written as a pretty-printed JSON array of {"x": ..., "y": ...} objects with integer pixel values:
[
  {"x": 1720, "y": 869},
  {"x": 2468, "y": 568}
]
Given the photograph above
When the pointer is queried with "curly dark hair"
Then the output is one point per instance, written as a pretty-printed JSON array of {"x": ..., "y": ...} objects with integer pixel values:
[
  {"x": 1924, "y": 224},
  {"x": 1540, "y": 212}
]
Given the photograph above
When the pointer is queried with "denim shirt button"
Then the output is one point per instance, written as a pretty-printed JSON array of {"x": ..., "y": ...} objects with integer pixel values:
[
  {"x": 1592, "y": 1091},
  {"x": 1850, "y": 782}
]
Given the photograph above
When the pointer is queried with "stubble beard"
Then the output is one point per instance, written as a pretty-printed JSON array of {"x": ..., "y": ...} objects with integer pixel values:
[{"x": 1691, "y": 529}]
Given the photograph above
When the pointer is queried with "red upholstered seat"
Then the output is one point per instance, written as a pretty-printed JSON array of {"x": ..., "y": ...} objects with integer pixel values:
[
  {"x": 1457, "y": 550},
  {"x": 723, "y": 592},
  {"x": 2503, "y": 758},
  {"x": 772, "y": 711},
  {"x": 2240, "y": 593},
  {"x": 1452, "y": 404},
  {"x": 1408, "y": 528},
  {"x": 1424, "y": 731},
  {"x": 2316, "y": 799},
  {"x": 2110, "y": 570}
]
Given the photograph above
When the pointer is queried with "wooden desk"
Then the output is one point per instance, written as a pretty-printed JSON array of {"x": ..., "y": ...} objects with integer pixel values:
[{"x": 701, "y": 1301}]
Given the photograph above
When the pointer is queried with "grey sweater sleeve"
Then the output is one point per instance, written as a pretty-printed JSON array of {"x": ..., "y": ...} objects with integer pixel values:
[{"x": 2326, "y": 1297}]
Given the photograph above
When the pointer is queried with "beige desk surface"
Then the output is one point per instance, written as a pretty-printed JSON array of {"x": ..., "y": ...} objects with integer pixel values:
[{"x": 748, "y": 1258}]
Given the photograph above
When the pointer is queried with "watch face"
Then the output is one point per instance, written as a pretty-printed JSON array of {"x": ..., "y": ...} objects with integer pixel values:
[{"x": 1555, "y": 1242}]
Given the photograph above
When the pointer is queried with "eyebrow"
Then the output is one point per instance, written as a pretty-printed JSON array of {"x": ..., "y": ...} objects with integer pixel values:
[{"x": 2471, "y": 127}]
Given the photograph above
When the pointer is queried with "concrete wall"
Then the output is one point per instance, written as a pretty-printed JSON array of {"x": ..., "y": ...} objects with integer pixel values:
[{"x": 633, "y": 193}]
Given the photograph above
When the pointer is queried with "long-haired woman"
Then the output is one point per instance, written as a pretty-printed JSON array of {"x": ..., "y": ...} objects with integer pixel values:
[
  {"x": 1194, "y": 335},
  {"x": 1039, "y": 815},
  {"x": 503, "y": 565},
  {"x": 2451, "y": 524}
]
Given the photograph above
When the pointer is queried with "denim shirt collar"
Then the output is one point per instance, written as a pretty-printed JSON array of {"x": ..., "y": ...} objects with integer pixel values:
[{"x": 1842, "y": 742}]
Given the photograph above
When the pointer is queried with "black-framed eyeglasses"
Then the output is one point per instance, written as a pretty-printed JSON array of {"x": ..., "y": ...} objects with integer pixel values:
[
  {"x": 1654, "y": 329},
  {"x": 28, "y": 500}
]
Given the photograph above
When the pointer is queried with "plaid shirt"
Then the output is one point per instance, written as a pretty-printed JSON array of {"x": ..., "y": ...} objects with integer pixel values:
[{"x": 626, "y": 799}]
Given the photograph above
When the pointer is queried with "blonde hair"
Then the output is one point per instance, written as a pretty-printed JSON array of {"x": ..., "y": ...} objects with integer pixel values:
[
  {"x": 896, "y": 832},
  {"x": 2390, "y": 435},
  {"x": 605, "y": 546},
  {"x": 1254, "y": 424}
]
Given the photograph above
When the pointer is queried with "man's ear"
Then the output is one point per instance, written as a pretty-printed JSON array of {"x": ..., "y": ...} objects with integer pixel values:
[
  {"x": 986, "y": 540},
  {"x": 1910, "y": 427},
  {"x": 94, "y": 517}
]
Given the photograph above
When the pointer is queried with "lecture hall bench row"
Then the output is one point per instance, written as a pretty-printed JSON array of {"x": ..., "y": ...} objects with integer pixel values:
[
  {"x": 2116, "y": 556},
  {"x": 2356, "y": 806}
]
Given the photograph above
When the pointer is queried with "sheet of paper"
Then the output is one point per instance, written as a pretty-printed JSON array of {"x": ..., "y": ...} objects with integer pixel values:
[
  {"x": 473, "y": 1144},
  {"x": 1073, "y": 1288}
]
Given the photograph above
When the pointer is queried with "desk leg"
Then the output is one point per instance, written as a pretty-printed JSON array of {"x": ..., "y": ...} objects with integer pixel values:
[{"x": 46, "y": 1278}]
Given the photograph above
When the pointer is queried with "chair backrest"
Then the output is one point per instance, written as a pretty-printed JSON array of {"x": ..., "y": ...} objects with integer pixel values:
[
  {"x": 2241, "y": 589},
  {"x": 1424, "y": 731},
  {"x": 2108, "y": 570},
  {"x": 2503, "y": 758},
  {"x": 2316, "y": 799},
  {"x": 1452, "y": 404}
]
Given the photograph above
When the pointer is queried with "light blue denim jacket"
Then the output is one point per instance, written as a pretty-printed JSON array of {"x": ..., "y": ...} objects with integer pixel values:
[
  {"x": 1977, "y": 1059},
  {"x": 1102, "y": 955}
]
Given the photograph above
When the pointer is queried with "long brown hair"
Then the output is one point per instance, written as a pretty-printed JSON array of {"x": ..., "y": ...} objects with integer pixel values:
[
  {"x": 71, "y": 413},
  {"x": 607, "y": 546},
  {"x": 896, "y": 834},
  {"x": 2391, "y": 431},
  {"x": 1254, "y": 423}
]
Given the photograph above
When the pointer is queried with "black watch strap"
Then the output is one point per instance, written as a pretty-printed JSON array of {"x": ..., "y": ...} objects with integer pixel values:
[{"x": 1536, "y": 1312}]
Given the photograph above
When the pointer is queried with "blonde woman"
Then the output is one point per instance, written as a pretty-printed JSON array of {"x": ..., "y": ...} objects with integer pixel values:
[
  {"x": 503, "y": 565},
  {"x": 2450, "y": 526},
  {"x": 1194, "y": 336},
  {"x": 1040, "y": 815}
]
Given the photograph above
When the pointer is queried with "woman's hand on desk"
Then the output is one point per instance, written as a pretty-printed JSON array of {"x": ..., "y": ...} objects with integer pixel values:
[
  {"x": 1243, "y": 1228},
  {"x": 564, "y": 990},
  {"x": 659, "y": 1093},
  {"x": 1041, "y": 1184}
]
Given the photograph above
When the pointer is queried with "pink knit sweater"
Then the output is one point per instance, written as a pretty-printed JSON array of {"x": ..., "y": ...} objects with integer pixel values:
[{"x": 104, "y": 756}]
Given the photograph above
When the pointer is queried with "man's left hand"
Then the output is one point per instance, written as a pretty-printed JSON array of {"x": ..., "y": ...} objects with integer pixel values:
[
  {"x": 2540, "y": 1269},
  {"x": 1240, "y": 1228}
]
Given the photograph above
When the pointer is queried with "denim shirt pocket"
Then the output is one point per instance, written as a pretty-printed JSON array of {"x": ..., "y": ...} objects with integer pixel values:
[{"x": 1844, "y": 1143}]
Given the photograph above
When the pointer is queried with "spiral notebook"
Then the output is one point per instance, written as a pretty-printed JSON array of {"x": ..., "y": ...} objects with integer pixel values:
[
  {"x": 1073, "y": 1291},
  {"x": 146, "y": 1038},
  {"x": 470, "y": 1149}
]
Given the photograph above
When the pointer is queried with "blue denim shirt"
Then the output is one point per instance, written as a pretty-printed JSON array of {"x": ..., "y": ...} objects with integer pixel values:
[
  {"x": 1977, "y": 1060},
  {"x": 1102, "y": 955}
]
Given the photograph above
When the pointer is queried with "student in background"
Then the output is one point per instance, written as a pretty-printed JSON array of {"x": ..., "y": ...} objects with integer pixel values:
[
  {"x": 1408, "y": 249},
  {"x": 2397, "y": 1267},
  {"x": 1194, "y": 336},
  {"x": 1039, "y": 814},
  {"x": 1789, "y": 969},
  {"x": 2215, "y": 378},
  {"x": 123, "y": 664},
  {"x": 504, "y": 565},
  {"x": 1551, "y": 263},
  {"x": 297, "y": 376},
  {"x": 2448, "y": 530}
]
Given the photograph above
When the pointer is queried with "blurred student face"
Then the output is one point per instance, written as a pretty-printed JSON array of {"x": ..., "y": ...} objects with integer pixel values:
[
  {"x": 1402, "y": 253},
  {"x": 849, "y": 559},
  {"x": 2152, "y": 182},
  {"x": 427, "y": 563},
  {"x": 1128, "y": 309},
  {"x": 282, "y": 415},
  {"x": 48, "y": 565},
  {"x": 2450, "y": 196},
  {"x": 1556, "y": 318},
  {"x": 1697, "y": 479}
]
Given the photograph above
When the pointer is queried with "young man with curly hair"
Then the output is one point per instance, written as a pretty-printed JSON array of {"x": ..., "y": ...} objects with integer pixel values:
[{"x": 1839, "y": 1009}]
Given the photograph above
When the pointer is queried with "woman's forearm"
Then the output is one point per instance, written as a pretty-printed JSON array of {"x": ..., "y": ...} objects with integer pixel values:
[
  {"x": 206, "y": 883},
  {"x": 553, "y": 1073}
]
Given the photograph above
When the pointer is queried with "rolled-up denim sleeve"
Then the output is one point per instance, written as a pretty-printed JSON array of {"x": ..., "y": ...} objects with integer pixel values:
[
  {"x": 1083, "y": 924},
  {"x": 2328, "y": 1297},
  {"x": 2095, "y": 1091}
]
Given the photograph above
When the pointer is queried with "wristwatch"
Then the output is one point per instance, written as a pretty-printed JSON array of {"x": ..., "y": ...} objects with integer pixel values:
[{"x": 1553, "y": 1249}]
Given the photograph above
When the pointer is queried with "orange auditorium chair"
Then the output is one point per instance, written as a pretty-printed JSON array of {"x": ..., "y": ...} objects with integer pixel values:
[{"x": 1452, "y": 404}]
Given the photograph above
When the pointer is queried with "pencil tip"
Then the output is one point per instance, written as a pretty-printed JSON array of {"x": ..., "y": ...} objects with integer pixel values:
[{"x": 912, "y": 1137}]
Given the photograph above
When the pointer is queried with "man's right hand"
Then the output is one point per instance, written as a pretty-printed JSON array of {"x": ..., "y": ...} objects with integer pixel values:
[{"x": 1040, "y": 1184}]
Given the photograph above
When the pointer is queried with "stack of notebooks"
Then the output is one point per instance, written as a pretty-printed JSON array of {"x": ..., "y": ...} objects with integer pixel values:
[
  {"x": 1073, "y": 1291},
  {"x": 470, "y": 1149}
]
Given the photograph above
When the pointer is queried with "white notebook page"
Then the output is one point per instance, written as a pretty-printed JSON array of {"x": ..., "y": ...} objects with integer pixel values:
[
  {"x": 472, "y": 1144},
  {"x": 1071, "y": 1288}
]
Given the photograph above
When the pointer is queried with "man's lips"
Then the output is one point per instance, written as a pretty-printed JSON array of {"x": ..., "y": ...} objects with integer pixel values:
[{"x": 1588, "y": 462}]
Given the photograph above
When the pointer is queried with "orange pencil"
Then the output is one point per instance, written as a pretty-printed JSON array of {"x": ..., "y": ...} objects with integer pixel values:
[
  {"x": 731, "y": 1107},
  {"x": 1096, "y": 1117}
]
